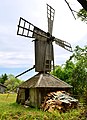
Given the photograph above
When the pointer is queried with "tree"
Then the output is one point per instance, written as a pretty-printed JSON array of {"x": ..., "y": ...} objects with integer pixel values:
[
  {"x": 82, "y": 14},
  {"x": 58, "y": 72},
  {"x": 68, "y": 70},
  {"x": 3, "y": 78},
  {"x": 79, "y": 74},
  {"x": 64, "y": 72},
  {"x": 83, "y": 3},
  {"x": 74, "y": 71},
  {"x": 12, "y": 83}
]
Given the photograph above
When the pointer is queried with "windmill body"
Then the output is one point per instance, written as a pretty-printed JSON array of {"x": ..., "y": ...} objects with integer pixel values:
[
  {"x": 44, "y": 55},
  {"x": 43, "y": 51}
]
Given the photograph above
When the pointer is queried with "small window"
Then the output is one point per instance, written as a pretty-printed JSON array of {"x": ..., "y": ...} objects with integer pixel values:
[{"x": 48, "y": 64}]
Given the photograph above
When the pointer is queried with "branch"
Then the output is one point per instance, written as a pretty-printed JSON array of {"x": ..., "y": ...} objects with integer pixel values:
[
  {"x": 83, "y": 3},
  {"x": 70, "y": 9}
]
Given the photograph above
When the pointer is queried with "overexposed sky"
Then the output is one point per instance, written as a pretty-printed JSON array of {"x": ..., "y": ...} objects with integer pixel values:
[{"x": 16, "y": 52}]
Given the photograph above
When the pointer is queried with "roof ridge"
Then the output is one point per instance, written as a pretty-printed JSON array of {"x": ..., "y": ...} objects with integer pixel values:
[{"x": 39, "y": 80}]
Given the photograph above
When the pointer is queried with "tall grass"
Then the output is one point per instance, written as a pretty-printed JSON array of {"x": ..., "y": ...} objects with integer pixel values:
[{"x": 10, "y": 110}]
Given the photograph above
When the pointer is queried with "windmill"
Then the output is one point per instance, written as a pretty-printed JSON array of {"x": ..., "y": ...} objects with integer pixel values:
[{"x": 44, "y": 54}]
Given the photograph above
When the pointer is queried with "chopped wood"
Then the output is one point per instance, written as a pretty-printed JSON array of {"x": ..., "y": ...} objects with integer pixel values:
[{"x": 59, "y": 100}]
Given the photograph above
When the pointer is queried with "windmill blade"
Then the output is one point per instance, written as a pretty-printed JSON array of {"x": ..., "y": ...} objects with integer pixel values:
[
  {"x": 27, "y": 29},
  {"x": 63, "y": 44},
  {"x": 50, "y": 16}
]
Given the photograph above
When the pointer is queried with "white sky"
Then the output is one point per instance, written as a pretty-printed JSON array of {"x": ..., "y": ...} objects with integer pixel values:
[{"x": 17, "y": 52}]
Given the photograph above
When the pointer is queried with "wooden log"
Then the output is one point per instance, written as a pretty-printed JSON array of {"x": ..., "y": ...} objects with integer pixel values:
[{"x": 59, "y": 100}]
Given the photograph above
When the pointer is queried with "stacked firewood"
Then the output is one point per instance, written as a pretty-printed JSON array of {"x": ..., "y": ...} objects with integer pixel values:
[{"x": 60, "y": 101}]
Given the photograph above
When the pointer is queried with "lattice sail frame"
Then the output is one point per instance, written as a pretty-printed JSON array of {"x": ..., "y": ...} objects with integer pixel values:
[
  {"x": 50, "y": 16},
  {"x": 25, "y": 28},
  {"x": 63, "y": 44}
]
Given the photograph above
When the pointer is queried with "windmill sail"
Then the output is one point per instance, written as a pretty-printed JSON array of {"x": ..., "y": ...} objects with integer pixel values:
[
  {"x": 50, "y": 16},
  {"x": 25, "y": 28},
  {"x": 63, "y": 44}
]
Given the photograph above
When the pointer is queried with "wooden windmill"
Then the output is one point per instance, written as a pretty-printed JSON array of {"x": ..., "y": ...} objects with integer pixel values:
[{"x": 44, "y": 55}]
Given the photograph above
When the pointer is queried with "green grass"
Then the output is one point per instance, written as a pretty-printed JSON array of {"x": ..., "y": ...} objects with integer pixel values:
[{"x": 10, "y": 110}]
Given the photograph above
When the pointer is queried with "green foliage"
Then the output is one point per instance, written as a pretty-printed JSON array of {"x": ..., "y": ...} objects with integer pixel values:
[
  {"x": 68, "y": 69},
  {"x": 58, "y": 72},
  {"x": 82, "y": 14},
  {"x": 64, "y": 72},
  {"x": 12, "y": 83},
  {"x": 74, "y": 71},
  {"x": 3, "y": 78},
  {"x": 79, "y": 74}
]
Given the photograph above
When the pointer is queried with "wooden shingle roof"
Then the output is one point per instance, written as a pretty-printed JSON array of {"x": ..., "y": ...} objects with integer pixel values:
[{"x": 45, "y": 81}]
